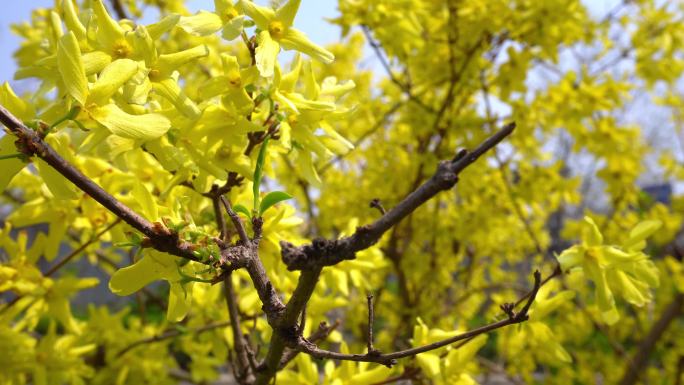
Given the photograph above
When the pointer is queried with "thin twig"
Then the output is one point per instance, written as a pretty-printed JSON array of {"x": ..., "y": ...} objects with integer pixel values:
[
  {"x": 119, "y": 9},
  {"x": 170, "y": 334},
  {"x": 80, "y": 249},
  {"x": 371, "y": 316},
  {"x": 237, "y": 222},
  {"x": 389, "y": 359},
  {"x": 324, "y": 252}
]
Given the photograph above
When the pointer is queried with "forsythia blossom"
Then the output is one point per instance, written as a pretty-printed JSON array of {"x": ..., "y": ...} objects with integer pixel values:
[{"x": 625, "y": 270}]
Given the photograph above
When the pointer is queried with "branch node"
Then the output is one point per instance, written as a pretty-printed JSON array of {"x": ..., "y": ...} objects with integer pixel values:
[{"x": 375, "y": 203}]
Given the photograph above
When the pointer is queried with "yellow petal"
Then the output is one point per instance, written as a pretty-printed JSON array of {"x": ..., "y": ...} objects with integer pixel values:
[
  {"x": 592, "y": 235},
  {"x": 17, "y": 106},
  {"x": 118, "y": 122},
  {"x": 128, "y": 280},
  {"x": 146, "y": 201},
  {"x": 640, "y": 232},
  {"x": 166, "y": 64},
  {"x": 58, "y": 185},
  {"x": 71, "y": 19},
  {"x": 111, "y": 79},
  {"x": 266, "y": 54},
  {"x": 94, "y": 62},
  {"x": 170, "y": 90},
  {"x": 430, "y": 363},
  {"x": 109, "y": 32},
  {"x": 201, "y": 24},
  {"x": 71, "y": 67},
  {"x": 179, "y": 302},
  {"x": 10, "y": 166},
  {"x": 294, "y": 39},
  {"x": 287, "y": 12},
  {"x": 156, "y": 30},
  {"x": 262, "y": 16},
  {"x": 233, "y": 28}
]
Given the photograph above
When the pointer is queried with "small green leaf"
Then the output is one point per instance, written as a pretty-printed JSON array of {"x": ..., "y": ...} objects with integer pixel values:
[
  {"x": 272, "y": 198},
  {"x": 258, "y": 172},
  {"x": 242, "y": 210},
  {"x": 12, "y": 156}
]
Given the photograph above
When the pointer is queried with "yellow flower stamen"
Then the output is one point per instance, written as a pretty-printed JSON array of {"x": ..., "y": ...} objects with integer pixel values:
[
  {"x": 121, "y": 50},
  {"x": 276, "y": 29}
]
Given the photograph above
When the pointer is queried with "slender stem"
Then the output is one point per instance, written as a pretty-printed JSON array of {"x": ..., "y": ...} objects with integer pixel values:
[
  {"x": 170, "y": 334},
  {"x": 237, "y": 222},
  {"x": 119, "y": 9},
  {"x": 390, "y": 358},
  {"x": 80, "y": 249},
  {"x": 371, "y": 316}
]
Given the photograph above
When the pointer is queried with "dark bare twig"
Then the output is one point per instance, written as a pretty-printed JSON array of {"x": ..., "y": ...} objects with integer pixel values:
[
  {"x": 375, "y": 203},
  {"x": 80, "y": 249},
  {"x": 389, "y": 359},
  {"x": 237, "y": 222},
  {"x": 405, "y": 87},
  {"x": 170, "y": 334},
  {"x": 322, "y": 252},
  {"x": 119, "y": 9},
  {"x": 371, "y": 316},
  {"x": 320, "y": 334}
]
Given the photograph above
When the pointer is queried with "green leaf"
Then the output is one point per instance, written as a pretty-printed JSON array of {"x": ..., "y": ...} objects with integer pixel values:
[
  {"x": 272, "y": 198},
  {"x": 242, "y": 210},
  {"x": 258, "y": 172}
]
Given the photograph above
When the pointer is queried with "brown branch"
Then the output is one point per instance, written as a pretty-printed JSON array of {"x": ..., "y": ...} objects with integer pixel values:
[
  {"x": 404, "y": 87},
  {"x": 389, "y": 359},
  {"x": 119, "y": 9},
  {"x": 323, "y": 252},
  {"x": 170, "y": 334},
  {"x": 237, "y": 222},
  {"x": 640, "y": 359},
  {"x": 320, "y": 334},
  {"x": 80, "y": 249},
  {"x": 31, "y": 143},
  {"x": 371, "y": 316},
  {"x": 285, "y": 326},
  {"x": 243, "y": 374}
]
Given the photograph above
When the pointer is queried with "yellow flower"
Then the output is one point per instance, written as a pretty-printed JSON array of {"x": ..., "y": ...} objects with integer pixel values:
[
  {"x": 625, "y": 270},
  {"x": 226, "y": 18},
  {"x": 275, "y": 30}
]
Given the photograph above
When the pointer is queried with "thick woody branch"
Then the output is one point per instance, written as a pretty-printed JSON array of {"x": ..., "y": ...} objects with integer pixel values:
[
  {"x": 323, "y": 252},
  {"x": 389, "y": 359},
  {"x": 31, "y": 143}
]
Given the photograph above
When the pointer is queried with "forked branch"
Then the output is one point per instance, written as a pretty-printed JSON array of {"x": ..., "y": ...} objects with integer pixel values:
[
  {"x": 323, "y": 252},
  {"x": 389, "y": 359}
]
